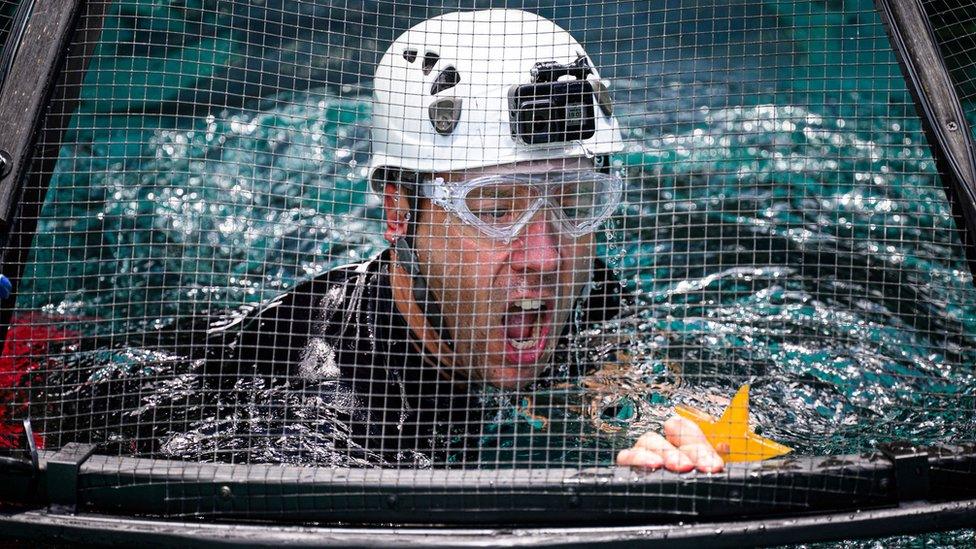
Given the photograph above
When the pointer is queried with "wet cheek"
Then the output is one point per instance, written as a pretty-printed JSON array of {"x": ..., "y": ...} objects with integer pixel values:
[
  {"x": 577, "y": 266},
  {"x": 468, "y": 272},
  {"x": 475, "y": 279},
  {"x": 467, "y": 275}
]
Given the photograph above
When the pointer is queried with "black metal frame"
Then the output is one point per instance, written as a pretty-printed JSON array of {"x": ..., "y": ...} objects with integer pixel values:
[
  {"x": 912, "y": 518},
  {"x": 906, "y": 486}
]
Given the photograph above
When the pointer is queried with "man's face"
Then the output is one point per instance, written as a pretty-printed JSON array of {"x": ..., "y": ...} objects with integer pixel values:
[{"x": 505, "y": 304}]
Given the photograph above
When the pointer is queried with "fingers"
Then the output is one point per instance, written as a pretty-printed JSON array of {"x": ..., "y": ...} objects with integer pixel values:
[
  {"x": 671, "y": 458},
  {"x": 691, "y": 441},
  {"x": 683, "y": 448},
  {"x": 639, "y": 457}
]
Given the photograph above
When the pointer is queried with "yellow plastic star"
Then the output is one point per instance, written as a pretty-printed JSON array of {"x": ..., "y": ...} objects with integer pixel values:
[{"x": 730, "y": 435}]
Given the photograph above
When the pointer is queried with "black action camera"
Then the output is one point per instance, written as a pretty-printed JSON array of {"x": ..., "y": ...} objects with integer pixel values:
[{"x": 553, "y": 111}]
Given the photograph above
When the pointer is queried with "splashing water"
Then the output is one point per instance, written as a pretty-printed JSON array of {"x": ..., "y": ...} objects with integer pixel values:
[{"x": 796, "y": 239}]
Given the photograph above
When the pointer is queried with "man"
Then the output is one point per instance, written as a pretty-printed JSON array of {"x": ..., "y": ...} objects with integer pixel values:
[{"x": 491, "y": 143}]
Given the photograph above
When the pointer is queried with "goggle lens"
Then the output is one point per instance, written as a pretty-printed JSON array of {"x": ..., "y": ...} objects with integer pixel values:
[{"x": 501, "y": 205}]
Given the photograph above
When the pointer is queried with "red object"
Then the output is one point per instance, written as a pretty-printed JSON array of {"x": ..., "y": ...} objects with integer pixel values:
[{"x": 31, "y": 340}]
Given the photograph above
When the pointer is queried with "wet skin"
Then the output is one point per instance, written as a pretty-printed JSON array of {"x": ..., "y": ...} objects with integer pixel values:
[{"x": 482, "y": 285}]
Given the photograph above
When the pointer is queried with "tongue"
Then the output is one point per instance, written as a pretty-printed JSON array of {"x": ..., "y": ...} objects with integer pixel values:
[{"x": 519, "y": 325}]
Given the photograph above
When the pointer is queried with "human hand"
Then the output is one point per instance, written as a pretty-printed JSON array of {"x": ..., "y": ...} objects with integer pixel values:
[{"x": 682, "y": 448}]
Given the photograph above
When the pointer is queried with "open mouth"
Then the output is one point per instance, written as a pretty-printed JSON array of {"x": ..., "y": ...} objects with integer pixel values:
[{"x": 527, "y": 325}]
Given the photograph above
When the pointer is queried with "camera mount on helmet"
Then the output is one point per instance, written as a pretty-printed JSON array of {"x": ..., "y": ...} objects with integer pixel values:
[
  {"x": 549, "y": 110},
  {"x": 551, "y": 71}
]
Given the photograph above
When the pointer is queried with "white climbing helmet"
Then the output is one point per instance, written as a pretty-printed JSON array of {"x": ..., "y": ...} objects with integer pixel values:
[{"x": 472, "y": 89}]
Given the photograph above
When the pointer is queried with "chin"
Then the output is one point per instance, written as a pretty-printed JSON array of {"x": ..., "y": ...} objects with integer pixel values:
[
  {"x": 510, "y": 381},
  {"x": 513, "y": 377}
]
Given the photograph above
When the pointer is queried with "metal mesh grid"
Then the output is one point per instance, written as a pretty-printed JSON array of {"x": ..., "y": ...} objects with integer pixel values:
[
  {"x": 6, "y": 18},
  {"x": 953, "y": 23},
  {"x": 956, "y": 538},
  {"x": 782, "y": 225}
]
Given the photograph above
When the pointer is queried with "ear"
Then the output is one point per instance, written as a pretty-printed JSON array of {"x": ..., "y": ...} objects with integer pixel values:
[{"x": 397, "y": 210}]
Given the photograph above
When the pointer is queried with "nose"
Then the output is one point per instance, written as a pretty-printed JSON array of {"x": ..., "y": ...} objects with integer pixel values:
[{"x": 537, "y": 248}]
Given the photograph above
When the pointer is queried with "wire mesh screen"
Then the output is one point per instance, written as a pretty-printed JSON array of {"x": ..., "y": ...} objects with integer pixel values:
[
  {"x": 6, "y": 18},
  {"x": 396, "y": 235},
  {"x": 954, "y": 25},
  {"x": 960, "y": 538}
]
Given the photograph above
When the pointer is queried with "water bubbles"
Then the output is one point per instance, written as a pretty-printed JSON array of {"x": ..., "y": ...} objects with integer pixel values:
[
  {"x": 230, "y": 226},
  {"x": 242, "y": 128}
]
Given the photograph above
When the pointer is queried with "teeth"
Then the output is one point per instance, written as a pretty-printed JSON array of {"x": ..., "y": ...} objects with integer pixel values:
[
  {"x": 529, "y": 304},
  {"x": 523, "y": 344}
]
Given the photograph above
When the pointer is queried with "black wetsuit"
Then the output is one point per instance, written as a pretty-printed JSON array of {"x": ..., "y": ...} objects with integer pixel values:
[
  {"x": 329, "y": 372},
  {"x": 339, "y": 340}
]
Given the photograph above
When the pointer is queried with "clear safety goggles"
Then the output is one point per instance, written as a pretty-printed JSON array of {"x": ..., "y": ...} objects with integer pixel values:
[{"x": 500, "y": 206}]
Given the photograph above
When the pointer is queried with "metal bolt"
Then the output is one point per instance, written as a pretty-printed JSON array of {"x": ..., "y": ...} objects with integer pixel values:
[
  {"x": 391, "y": 501},
  {"x": 225, "y": 492},
  {"x": 952, "y": 126}
]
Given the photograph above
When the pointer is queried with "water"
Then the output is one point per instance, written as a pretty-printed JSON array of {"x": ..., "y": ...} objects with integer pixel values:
[{"x": 783, "y": 226}]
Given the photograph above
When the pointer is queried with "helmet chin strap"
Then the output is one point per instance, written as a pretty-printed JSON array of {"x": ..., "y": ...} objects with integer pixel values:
[{"x": 407, "y": 258}]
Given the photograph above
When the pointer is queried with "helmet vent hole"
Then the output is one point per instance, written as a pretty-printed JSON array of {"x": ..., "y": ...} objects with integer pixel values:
[
  {"x": 445, "y": 114},
  {"x": 447, "y": 79},
  {"x": 430, "y": 59},
  {"x": 410, "y": 55}
]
